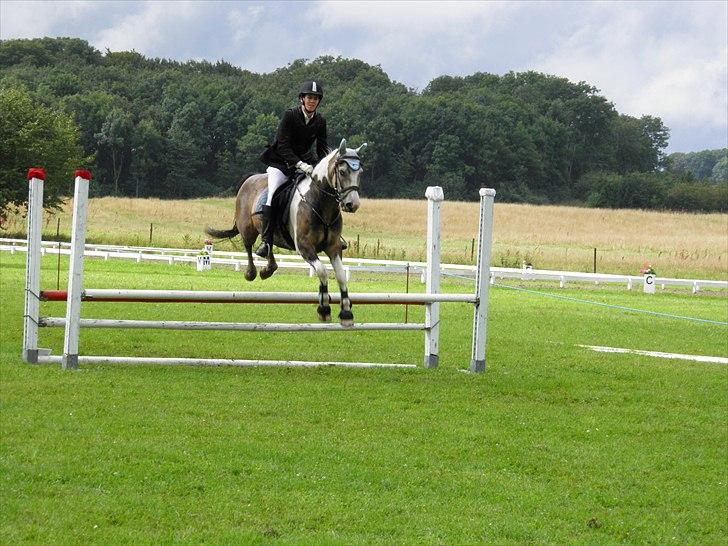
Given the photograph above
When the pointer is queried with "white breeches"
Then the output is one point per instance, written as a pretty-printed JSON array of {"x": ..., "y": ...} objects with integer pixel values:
[{"x": 276, "y": 179}]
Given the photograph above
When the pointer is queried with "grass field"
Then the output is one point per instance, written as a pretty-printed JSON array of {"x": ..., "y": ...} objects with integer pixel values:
[
  {"x": 550, "y": 237},
  {"x": 553, "y": 444}
]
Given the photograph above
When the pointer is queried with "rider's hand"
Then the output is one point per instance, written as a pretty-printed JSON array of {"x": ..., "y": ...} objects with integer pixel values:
[{"x": 305, "y": 167}]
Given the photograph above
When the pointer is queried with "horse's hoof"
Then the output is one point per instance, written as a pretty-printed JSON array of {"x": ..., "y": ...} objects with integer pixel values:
[
  {"x": 324, "y": 313},
  {"x": 250, "y": 274},
  {"x": 267, "y": 272},
  {"x": 347, "y": 318}
]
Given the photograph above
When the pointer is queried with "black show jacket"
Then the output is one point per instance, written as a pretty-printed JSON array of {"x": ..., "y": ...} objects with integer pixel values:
[{"x": 294, "y": 140}]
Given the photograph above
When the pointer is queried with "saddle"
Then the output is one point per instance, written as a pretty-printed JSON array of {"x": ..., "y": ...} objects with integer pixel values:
[{"x": 281, "y": 206}]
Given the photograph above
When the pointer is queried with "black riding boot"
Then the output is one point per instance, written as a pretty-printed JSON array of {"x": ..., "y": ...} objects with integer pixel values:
[{"x": 266, "y": 233}]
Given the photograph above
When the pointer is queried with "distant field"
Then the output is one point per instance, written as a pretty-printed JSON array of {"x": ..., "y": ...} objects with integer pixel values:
[{"x": 549, "y": 237}]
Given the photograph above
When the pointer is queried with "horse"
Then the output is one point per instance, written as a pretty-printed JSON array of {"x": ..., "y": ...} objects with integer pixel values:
[{"x": 314, "y": 222}]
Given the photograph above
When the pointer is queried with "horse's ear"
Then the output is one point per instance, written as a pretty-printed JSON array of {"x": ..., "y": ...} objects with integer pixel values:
[
  {"x": 342, "y": 147},
  {"x": 361, "y": 148}
]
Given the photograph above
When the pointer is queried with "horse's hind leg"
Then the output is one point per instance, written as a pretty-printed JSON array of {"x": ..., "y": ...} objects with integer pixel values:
[
  {"x": 248, "y": 241},
  {"x": 346, "y": 315},
  {"x": 271, "y": 266},
  {"x": 250, "y": 271}
]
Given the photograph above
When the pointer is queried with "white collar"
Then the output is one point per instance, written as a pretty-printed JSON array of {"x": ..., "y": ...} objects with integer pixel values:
[{"x": 306, "y": 117}]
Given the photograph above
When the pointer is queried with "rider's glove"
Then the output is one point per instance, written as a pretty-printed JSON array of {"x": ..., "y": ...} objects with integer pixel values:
[{"x": 305, "y": 167}]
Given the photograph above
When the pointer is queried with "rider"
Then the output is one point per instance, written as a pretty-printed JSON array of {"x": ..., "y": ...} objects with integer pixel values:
[{"x": 300, "y": 127}]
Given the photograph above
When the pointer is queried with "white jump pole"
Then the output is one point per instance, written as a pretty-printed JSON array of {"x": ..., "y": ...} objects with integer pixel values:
[
  {"x": 435, "y": 197},
  {"x": 75, "y": 293},
  {"x": 214, "y": 296},
  {"x": 482, "y": 280},
  {"x": 103, "y": 359},
  {"x": 75, "y": 273},
  {"x": 36, "y": 178},
  {"x": 57, "y": 322}
]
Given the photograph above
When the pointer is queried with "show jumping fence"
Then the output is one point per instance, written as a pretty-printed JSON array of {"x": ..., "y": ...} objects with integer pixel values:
[{"x": 76, "y": 294}]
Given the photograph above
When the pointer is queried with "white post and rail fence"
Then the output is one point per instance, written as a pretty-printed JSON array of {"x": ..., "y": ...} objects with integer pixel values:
[{"x": 76, "y": 295}]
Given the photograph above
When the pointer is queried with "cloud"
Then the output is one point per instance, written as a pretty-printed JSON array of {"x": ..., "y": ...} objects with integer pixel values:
[
  {"x": 35, "y": 19},
  {"x": 668, "y": 59},
  {"x": 240, "y": 21},
  {"x": 672, "y": 63},
  {"x": 404, "y": 16},
  {"x": 414, "y": 42},
  {"x": 152, "y": 30}
]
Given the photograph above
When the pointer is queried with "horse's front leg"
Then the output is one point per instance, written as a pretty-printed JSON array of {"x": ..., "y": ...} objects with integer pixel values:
[
  {"x": 346, "y": 316},
  {"x": 324, "y": 307}
]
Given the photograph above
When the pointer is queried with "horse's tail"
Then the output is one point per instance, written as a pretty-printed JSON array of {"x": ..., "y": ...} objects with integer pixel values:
[{"x": 217, "y": 234}]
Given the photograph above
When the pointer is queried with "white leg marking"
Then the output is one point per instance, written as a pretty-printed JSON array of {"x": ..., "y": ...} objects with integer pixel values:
[
  {"x": 339, "y": 272},
  {"x": 321, "y": 271}
]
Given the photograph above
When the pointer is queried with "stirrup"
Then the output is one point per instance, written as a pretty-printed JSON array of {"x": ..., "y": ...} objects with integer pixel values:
[
  {"x": 344, "y": 244},
  {"x": 263, "y": 250}
]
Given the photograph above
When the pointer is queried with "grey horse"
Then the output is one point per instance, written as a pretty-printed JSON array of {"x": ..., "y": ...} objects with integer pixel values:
[{"x": 314, "y": 221}]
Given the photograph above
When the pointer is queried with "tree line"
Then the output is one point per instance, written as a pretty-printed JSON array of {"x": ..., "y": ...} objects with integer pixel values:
[{"x": 160, "y": 128}]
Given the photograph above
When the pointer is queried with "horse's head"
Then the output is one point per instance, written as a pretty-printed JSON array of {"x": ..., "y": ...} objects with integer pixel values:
[{"x": 343, "y": 171}]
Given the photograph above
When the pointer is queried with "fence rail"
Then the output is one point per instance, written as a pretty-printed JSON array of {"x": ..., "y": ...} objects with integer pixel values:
[{"x": 238, "y": 260}]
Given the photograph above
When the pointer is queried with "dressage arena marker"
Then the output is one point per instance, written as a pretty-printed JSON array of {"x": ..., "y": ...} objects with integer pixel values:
[{"x": 75, "y": 295}]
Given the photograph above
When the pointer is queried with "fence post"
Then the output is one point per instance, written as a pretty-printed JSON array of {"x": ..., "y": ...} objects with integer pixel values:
[
  {"x": 75, "y": 272},
  {"x": 482, "y": 278},
  {"x": 31, "y": 315},
  {"x": 434, "y": 196}
]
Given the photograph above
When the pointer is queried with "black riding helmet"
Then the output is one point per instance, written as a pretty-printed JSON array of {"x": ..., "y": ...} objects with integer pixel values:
[{"x": 311, "y": 88}]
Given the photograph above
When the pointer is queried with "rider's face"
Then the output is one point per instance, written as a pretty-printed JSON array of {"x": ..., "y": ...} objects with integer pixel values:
[{"x": 310, "y": 103}]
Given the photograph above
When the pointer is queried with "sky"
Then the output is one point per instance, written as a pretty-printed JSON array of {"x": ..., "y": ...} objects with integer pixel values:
[{"x": 667, "y": 59}]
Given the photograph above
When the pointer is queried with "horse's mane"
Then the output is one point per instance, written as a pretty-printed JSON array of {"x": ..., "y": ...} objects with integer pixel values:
[{"x": 321, "y": 170}]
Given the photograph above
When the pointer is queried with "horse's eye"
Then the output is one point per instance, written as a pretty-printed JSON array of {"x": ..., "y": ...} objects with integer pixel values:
[{"x": 342, "y": 171}]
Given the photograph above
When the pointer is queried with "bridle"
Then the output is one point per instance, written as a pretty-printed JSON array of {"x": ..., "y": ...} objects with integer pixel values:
[
  {"x": 354, "y": 163},
  {"x": 338, "y": 193}
]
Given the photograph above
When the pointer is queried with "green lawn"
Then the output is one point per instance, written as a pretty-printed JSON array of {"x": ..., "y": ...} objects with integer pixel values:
[{"x": 553, "y": 444}]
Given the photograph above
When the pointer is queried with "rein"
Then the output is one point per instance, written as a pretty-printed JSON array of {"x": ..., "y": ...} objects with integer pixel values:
[
  {"x": 323, "y": 189},
  {"x": 337, "y": 194}
]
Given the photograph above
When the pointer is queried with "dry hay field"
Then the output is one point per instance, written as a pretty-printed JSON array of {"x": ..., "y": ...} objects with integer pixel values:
[{"x": 685, "y": 245}]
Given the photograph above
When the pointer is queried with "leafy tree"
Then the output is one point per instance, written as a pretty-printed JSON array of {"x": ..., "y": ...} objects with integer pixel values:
[
  {"x": 34, "y": 136},
  {"x": 704, "y": 165},
  {"x": 148, "y": 146},
  {"x": 158, "y": 127},
  {"x": 632, "y": 190},
  {"x": 639, "y": 143},
  {"x": 720, "y": 169},
  {"x": 252, "y": 144},
  {"x": 89, "y": 110},
  {"x": 186, "y": 177},
  {"x": 698, "y": 196},
  {"x": 113, "y": 145}
]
